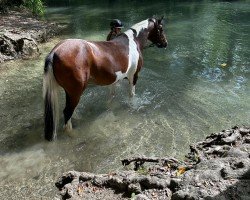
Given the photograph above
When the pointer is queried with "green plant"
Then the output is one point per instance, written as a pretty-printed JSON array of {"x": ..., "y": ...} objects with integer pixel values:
[
  {"x": 132, "y": 196},
  {"x": 142, "y": 170},
  {"x": 36, "y": 6}
]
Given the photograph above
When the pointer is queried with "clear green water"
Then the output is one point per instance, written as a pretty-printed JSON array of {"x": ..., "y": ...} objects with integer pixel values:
[{"x": 183, "y": 94}]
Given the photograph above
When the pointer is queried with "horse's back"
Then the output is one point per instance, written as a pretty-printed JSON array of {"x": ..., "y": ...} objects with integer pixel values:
[
  {"x": 81, "y": 59},
  {"x": 69, "y": 49}
]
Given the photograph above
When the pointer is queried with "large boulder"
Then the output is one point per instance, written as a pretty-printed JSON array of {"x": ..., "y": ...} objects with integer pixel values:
[
  {"x": 20, "y": 32},
  {"x": 14, "y": 45}
]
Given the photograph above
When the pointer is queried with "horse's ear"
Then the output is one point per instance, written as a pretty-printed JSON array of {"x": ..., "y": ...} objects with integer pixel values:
[
  {"x": 152, "y": 19},
  {"x": 160, "y": 20}
]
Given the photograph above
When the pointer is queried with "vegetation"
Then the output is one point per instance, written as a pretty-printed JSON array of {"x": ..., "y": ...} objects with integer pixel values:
[{"x": 35, "y": 6}]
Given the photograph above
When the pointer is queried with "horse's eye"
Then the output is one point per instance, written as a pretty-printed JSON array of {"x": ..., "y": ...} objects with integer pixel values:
[{"x": 160, "y": 28}]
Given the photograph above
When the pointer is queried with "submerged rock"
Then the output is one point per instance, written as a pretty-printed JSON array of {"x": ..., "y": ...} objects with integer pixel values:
[{"x": 216, "y": 168}]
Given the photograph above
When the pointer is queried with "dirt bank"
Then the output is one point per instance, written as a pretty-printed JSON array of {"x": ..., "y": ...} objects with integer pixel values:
[
  {"x": 216, "y": 168},
  {"x": 20, "y": 33}
]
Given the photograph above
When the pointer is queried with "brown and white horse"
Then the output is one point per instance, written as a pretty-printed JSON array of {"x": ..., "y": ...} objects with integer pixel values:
[{"x": 74, "y": 62}]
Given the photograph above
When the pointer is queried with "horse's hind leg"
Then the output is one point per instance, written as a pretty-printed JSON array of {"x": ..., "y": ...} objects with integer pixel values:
[{"x": 71, "y": 103}]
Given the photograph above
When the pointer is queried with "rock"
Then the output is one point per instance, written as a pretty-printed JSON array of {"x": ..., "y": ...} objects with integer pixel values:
[
  {"x": 175, "y": 184},
  {"x": 20, "y": 33},
  {"x": 134, "y": 188},
  {"x": 221, "y": 172},
  {"x": 179, "y": 195},
  {"x": 141, "y": 197},
  {"x": 244, "y": 131},
  {"x": 17, "y": 46}
]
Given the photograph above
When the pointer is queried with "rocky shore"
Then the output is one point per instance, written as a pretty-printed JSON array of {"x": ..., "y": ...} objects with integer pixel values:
[
  {"x": 20, "y": 33},
  {"x": 216, "y": 168}
]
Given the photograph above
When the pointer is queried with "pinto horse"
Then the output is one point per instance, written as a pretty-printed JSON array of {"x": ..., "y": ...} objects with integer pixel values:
[{"x": 73, "y": 63}]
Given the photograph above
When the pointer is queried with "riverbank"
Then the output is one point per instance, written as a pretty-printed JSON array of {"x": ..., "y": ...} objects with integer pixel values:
[
  {"x": 20, "y": 33},
  {"x": 216, "y": 168}
]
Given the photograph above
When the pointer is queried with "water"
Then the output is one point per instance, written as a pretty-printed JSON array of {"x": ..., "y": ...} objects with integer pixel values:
[{"x": 198, "y": 85}]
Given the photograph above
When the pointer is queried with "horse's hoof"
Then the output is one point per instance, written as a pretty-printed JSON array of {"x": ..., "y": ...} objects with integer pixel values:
[
  {"x": 131, "y": 95},
  {"x": 67, "y": 127},
  {"x": 71, "y": 134}
]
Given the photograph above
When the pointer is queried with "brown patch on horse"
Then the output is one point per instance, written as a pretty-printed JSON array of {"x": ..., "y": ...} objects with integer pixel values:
[{"x": 109, "y": 58}]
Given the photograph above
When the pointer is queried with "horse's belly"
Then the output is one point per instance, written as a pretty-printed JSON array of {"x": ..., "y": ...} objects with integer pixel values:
[{"x": 102, "y": 79}]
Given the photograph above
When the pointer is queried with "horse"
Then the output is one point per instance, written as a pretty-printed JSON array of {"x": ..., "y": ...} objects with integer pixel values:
[{"x": 73, "y": 63}]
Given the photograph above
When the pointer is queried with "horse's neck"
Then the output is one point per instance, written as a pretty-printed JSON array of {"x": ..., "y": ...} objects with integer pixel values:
[
  {"x": 139, "y": 32},
  {"x": 140, "y": 39}
]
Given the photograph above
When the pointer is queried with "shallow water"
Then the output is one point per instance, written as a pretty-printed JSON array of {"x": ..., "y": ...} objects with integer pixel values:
[{"x": 183, "y": 93}]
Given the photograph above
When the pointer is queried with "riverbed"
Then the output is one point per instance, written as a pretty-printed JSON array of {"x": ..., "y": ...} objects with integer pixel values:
[{"x": 198, "y": 85}]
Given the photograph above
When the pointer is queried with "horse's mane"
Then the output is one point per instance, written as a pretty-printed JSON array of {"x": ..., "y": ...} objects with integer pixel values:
[{"x": 136, "y": 28}]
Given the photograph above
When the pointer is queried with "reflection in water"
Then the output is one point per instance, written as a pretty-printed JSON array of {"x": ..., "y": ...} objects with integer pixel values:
[{"x": 198, "y": 85}]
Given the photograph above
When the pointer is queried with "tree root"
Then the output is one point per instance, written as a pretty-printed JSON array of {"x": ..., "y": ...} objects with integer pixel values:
[{"x": 139, "y": 161}]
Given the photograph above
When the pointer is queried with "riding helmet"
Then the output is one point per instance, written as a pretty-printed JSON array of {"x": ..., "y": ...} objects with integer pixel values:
[{"x": 116, "y": 23}]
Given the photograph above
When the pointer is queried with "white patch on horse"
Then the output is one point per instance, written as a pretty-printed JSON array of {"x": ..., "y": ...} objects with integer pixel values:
[
  {"x": 120, "y": 76},
  {"x": 133, "y": 55},
  {"x": 140, "y": 26},
  {"x": 133, "y": 58}
]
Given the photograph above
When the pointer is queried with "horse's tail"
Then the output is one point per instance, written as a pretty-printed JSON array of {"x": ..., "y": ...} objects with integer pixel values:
[{"x": 50, "y": 96}]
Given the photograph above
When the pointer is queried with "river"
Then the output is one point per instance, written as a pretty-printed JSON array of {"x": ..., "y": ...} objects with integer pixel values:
[{"x": 198, "y": 85}]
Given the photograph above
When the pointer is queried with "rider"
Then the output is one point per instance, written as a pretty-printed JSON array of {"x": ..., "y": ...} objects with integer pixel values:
[{"x": 116, "y": 26}]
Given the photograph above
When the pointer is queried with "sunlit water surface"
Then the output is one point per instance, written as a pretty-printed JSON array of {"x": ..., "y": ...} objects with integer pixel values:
[{"x": 198, "y": 85}]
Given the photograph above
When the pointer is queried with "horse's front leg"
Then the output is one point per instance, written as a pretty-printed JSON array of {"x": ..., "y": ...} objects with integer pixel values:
[
  {"x": 133, "y": 79},
  {"x": 132, "y": 82}
]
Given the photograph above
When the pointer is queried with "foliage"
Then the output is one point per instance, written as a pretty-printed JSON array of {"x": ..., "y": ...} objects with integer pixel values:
[
  {"x": 142, "y": 170},
  {"x": 36, "y": 6},
  {"x": 132, "y": 196}
]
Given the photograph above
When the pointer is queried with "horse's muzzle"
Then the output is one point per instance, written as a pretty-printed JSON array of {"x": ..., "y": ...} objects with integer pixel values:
[{"x": 164, "y": 45}]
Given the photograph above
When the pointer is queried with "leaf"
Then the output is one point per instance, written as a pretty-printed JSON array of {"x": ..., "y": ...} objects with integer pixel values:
[
  {"x": 180, "y": 171},
  {"x": 223, "y": 65},
  {"x": 132, "y": 196},
  {"x": 80, "y": 189}
]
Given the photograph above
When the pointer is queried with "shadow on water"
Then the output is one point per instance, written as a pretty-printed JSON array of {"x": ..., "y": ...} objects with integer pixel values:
[
  {"x": 21, "y": 116},
  {"x": 23, "y": 137}
]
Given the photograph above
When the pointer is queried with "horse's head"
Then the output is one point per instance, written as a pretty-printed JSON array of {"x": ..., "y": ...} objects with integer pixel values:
[{"x": 156, "y": 34}]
